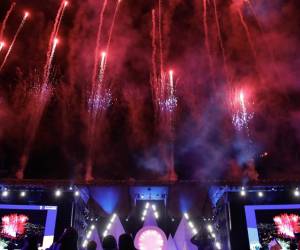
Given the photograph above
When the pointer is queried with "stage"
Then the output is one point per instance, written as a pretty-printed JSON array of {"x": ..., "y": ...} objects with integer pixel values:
[{"x": 172, "y": 213}]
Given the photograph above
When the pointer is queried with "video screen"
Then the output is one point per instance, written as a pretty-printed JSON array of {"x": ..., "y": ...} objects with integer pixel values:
[
  {"x": 20, "y": 221},
  {"x": 273, "y": 226}
]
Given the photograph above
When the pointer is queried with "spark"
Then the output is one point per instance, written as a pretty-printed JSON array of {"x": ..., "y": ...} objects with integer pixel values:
[
  {"x": 14, "y": 40},
  {"x": 241, "y": 116}
]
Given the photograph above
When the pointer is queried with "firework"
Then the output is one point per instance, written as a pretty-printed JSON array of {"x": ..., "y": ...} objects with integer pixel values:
[
  {"x": 53, "y": 36},
  {"x": 241, "y": 116},
  {"x": 112, "y": 26},
  {"x": 287, "y": 225},
  {"x": 3, "y": 26},
  {"x": 26, "y": 14},
  {"x": 98, "y": 42},
  {"x": 49, "y": 61},
  {"x": 44, "y": 90},
  {"x": 99, "y": 98}
]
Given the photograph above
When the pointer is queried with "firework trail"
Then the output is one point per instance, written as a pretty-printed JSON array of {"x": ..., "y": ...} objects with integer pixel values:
[
  {"x": 112, "y": 25},
  {"x": 163, "y": 94},
  {"x": 99, "y": 101},
  {"x": 154, "y": 50},
  {"x": 40, "y": 100},
  {"x": 14, "y": 40},
  {"x": 100, "y": 97},
  {"x": 221, "y": 41},
  {"x": 3, "y": 26},
  {"x": 43, "y": 92},
  {"x": 249, "y": 38},
  {"x": 160, "y": 38},
  {"x": 98, "y": 42},
  {"x": 210, "y": 60},
  {"x": 53, "y": 36}
]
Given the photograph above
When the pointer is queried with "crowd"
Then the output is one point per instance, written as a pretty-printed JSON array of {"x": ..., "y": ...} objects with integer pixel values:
[{"x": 69, "y": 241}]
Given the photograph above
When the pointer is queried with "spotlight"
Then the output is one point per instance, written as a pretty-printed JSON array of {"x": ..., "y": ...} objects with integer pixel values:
[
  {"x": 108, "y": 226},
  {"x": 84, "y": 244},
  {"x": 218, "y": 245},
  {"x": 93, "y": 227},
  {"x": 71, "y": 188},
  {"x": 154, "y": 207},
  {"x": 243, "y": 192},
  {"x": 23, "y": 194},
  {"x": 113, "y": 218},
  {"x": 173, "y": 219},
  {"x": 195, "y": 231},
  {"x": 210, "y": 228},
  {"x": 105, "y": 233},
  {"x": 76, "y": 193},
  {"x": 145, "y": 213},
  {"x": 5, "y": 193},
  {"x": 156, "y": 215},
  {"x": 147, "y": 205},
  {"x": 191, "y": 224},
  {"x": 89, "y": 234},
  {"x": 143, "y": 218},
  {"x": 296, "y": 192},
  {"x": 58, "y": 193},
  {"x": 186, "y": 216},
  {"x": 213, "y": 235},
  {"x": 260, "y": 194}
]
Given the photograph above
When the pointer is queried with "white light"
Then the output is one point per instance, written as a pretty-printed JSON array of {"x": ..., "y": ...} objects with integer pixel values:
[
  {"x": 218, "y": 245},
  {"x": 93, "y": 227},
  {"x": 76, "y": 193},
  {"x": 186, "y": 216},
  {"x": 143, "y": 218},
  {"x": 84, "y": 244},
  {"x": 156, "y": 215},
  {"x": 105, "y": 233},
  {"x": 57, "y": 193},
  {"x": 210, "y": 228},
  {"x": 5, "y": 193},
  {"x": 154, "y": 207},
  {"x": 145, "y": 213},
  {"x": 195, "y": 231},
  {"x": 147, "y": 205},
  {"x": 89, "y": 234},
  {"x": 113, "y": 218},
  {"x": 260, "y": 194},
  {"x": 191, "y": 224},
  {"x": 243, "y": 193},
  {"x": 108, "y": 226},
  {"x": 70, "y": 188},
  {"x": 23, "y": 194},
  {"x": 213, "y": 235},
  {"x": 296, "y": 192}
]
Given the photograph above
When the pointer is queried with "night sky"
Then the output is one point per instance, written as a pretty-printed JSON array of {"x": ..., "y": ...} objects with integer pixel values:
[{"x": 130, "y": 140}]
